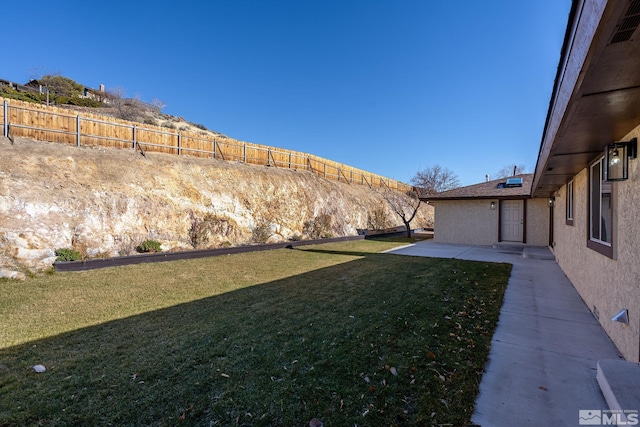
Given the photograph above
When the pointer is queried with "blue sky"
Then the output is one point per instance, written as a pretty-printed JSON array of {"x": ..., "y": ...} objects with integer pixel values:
[{"x": 391, "y": 87}]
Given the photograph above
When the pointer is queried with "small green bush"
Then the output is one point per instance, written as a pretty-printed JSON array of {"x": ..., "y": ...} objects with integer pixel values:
[
  {"x": 84, "y": 102},
  {"x": 7, "y": 92},
  {"x": 66, "y": 254},
  {"x": 149, "y": 246},
  {"x": 60, "y": 100}
]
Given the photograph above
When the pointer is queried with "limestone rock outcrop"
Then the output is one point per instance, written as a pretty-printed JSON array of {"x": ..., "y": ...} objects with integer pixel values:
[{"x": 104, "y": 202}]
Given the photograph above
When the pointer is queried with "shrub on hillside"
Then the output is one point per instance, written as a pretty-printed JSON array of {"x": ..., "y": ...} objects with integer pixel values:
[
  {"x": 149, "y": 246},
  {"x": 319, "y": 227},
  {"x": 67, "y": 254},
  {"x": 7, "y": 92},
  {"x": 378, "y": 219},
  {"x": 261, "y": 232},
  {"x": 84, "y": 102},
  {"x": 203, "y": 229}
]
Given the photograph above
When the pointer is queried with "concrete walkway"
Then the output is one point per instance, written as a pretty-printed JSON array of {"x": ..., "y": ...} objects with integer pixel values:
[{"x": 542, "y": 362}]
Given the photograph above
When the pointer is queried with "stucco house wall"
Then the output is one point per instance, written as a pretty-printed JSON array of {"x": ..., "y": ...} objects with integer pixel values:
[
  {"x": 537, "y": 222},
  {"x": 472, "y": 222},
  {"x": 606, "y": 285},
  {"x": 465, "y": 222}
]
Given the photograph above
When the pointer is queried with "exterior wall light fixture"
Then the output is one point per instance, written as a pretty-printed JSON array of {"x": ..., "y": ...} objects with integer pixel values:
[
  {"x": 617, "y": 157},
  {"x": 492, "y": 205},
  {"x": 551, "y": 202}
]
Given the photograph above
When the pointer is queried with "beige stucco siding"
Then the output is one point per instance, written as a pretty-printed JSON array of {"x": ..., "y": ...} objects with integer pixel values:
[
  {"x": 469, "y": 222},
  {"x": 537, "y": 222},
  {"x": 606, "y": 285},
  {"x": 472, "y": 222}
]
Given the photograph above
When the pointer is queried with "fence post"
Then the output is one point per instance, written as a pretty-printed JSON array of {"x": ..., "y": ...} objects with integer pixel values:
[
  {"x": 214, "y": 148},
  {"x": 324, "y": 166},
  {"x": 5, "y": 118},
  {"x": 244, "y": 152},
  {"x": 289, "y": 160},
  {"x": 268, "y": 156},
  {"x": 78, "y": 131},
  {"x": 179, "y": 143},
  {"x": 339, "y": 172},
  {"x": 135, "y": 136}
]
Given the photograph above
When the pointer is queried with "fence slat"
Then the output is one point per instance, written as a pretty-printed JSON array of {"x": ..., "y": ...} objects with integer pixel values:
[{"x": 49, "y": 123}]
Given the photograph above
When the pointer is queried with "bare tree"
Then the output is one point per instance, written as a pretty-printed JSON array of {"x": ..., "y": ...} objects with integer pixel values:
[
  {"x": 511, "y": 170},
  {"x": 44, "y": 79},
  {"x": 435, "y": 179},
  {"x": 405, "y": 205},
  {"x": 125, "y": 108},
  {"x": 37, "y": 73},
  {"x": 156, "y": 102}
]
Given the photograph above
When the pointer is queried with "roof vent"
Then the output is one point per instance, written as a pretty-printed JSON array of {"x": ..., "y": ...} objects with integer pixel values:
[{"x": 629, "y": 24}]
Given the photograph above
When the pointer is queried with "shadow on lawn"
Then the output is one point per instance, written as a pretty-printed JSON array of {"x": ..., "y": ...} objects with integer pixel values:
[{"x": 321, "y": 344}]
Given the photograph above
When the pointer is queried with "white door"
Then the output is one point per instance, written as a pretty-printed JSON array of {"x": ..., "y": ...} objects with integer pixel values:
[{"x": 512, "y": 220}]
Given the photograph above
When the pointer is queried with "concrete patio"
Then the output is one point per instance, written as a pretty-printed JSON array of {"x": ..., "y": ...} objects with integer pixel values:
[{"x": 544, "y": 353}]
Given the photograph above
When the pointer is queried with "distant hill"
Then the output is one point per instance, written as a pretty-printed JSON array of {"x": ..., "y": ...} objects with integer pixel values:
[{"x": 67, "y": 93}]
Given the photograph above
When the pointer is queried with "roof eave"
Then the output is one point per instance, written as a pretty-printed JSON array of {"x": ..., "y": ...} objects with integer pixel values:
[{"x": 596, "y": 95}]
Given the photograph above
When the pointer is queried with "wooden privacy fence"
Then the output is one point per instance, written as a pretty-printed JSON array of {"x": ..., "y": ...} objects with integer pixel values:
[{"x": 45, "y": 123}]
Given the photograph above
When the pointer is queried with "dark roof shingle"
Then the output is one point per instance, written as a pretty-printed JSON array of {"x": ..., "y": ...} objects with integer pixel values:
[{"x": 487, "y": 190}]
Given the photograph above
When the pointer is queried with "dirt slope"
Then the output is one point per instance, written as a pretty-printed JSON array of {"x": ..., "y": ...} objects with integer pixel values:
[{"x": 104, "y": 202}]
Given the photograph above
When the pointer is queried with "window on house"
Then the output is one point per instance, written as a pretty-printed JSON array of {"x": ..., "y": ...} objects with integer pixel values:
[
  {"x": 600, "y": 210},
  {"x": 570, "y": 202}
]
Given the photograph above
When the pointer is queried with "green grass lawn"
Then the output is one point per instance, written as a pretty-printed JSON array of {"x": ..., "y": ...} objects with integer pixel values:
[{"x": 337, "y": 331}]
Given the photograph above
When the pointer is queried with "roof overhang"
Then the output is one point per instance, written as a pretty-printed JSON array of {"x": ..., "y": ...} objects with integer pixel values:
[
  {"x": 439, "y": 199},
  {"x": 596, "y": 94}
]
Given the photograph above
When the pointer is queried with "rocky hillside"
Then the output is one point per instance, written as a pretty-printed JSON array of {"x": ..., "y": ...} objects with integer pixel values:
[{"x": 105, "y": 202}]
